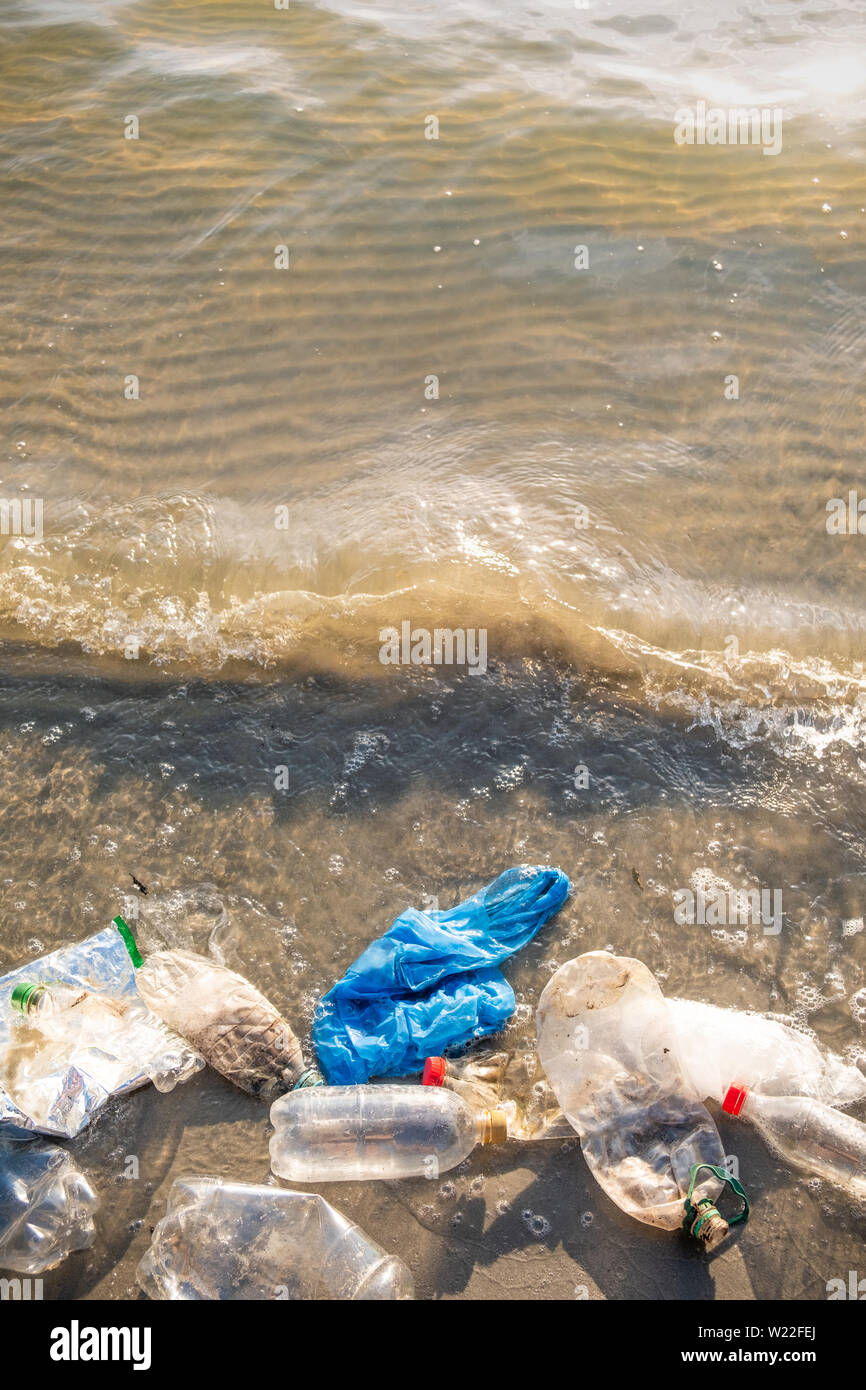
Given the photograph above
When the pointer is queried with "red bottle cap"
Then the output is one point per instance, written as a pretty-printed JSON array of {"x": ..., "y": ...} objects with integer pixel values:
[
  {"x": 735, "y": 1099},
  {"x": 434, "y": 1071}
]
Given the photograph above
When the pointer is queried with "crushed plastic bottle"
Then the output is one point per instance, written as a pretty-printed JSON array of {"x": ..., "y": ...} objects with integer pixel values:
[
  {"x": 346, "y": 1133},
  {"x": 75, "y": 1032},
  {"x": 607, "y": 1044},
  {"x": 716, "y": 1045},
  {"x": 225, "y": 1018},
  {"x": 43, "y": 1000},
  {"x": 231, "y": 1240},
  {"x": 808, "y": 1133},
  {"x": 46, "y": 1206},
  {"x": 512, "y": 1082}
]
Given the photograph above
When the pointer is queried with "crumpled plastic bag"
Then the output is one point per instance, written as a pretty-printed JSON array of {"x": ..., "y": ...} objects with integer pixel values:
[
  {"x": 233, "y": 1240},
  {"x": 46, "y": 1205},
  {"x": 607, "y": 1044},
  {"x": 432, "y": 981},
  {"x": 55, "y": 1075}
]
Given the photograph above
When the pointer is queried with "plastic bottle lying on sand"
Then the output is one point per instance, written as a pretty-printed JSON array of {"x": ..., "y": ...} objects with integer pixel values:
[
  {"x": 225, "y": 1018},
  {"x": 46, "y": 1206},
  {"x": 763, "y": 1054},
  {"x": 345, "y": 1133},
  {"x": 808, "y": 1133},
  {"x": 509, "y": 1081},
  {"x": 607, "y": 1044},
  {"x": 231, "y": 1240},
  {"x": 44, "y": 1000}
]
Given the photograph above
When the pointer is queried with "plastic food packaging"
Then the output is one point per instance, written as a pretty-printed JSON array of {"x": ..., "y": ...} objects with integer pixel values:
[
  {"x": 512, "y": 1082},
  {"x": 432, "y": 981},
  {"x": 608, "y": 1046},
  {"x": 346, "y": 1133},
  {"x": 808, "y": 1133},
  {"x": 234, "y": 1027},
  {"x": 61, "y": 1061},
  {"x": 46, "y": 1206},
  {"x": 229, "y": 1240}
]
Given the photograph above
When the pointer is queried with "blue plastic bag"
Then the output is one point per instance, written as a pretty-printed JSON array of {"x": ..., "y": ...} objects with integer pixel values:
[{"x": 431, "y": 981}]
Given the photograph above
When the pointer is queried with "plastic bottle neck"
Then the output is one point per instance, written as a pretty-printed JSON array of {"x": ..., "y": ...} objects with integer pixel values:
[
  {"x": 492, "y": 1127},
  {"x": 27, "y": 997},
  {"x": 311, "y": 1077}
]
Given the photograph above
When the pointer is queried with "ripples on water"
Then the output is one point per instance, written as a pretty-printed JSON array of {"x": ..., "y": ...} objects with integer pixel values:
[{"x": 697, "y": 645}]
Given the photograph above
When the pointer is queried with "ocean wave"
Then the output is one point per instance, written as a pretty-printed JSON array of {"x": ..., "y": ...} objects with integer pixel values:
[{"x": 188, "y": 582}]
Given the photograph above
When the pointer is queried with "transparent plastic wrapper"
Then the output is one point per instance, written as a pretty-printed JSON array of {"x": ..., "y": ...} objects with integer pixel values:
[
  {"x": 432, "y": 981},
  {"x": 513, "y": 1082},
  {"x": 230, "y": 1240},
  {"x": 608, "y": 1046},
  {"x": 46, "y": 1205},
  {"x": 351, "y": 1133},
  {"x": 719, "y": 1046},
  {"x": 58, "y": 1067},
  {"x": 225, "y": 1018}
]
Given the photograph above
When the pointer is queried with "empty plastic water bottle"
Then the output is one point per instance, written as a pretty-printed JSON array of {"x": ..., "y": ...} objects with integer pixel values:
[
  {"x": 808, "y": 1133},
  {"x": 78, "y": 1033},
  {"x": 343, "y": 1133},
  {"x": 42, "y": 1000},
  {"x": 607, "y": 1044},
  {"x": 232, "y": 1240},
  {"x": 225, "y": 1018},
  {"x": 512, "y": 1082},
  {"x": 763, "y": 1054},
  {"x": 46, "y": 1206}
]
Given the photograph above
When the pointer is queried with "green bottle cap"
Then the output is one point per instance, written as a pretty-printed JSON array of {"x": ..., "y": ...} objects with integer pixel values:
[{"x": 21, "y": 995}]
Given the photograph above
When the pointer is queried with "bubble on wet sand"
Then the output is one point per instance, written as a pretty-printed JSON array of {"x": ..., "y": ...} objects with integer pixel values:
[{"x": 537, "y": 1225}]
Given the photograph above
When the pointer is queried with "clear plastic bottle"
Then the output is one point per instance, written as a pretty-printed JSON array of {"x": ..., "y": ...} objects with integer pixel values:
[
  {"x": 807, "y": 1133},
  {"x": 232, "y": 1240},
  {"x": 225, "y": 1018},
  {"x": 46, "y": 1206},
  {"x": 44, "y": 1000},
  {"x": 764, "y": 1054},
  {"x": 512, "y": 1082},
  {"x": 346, "y": 1133},
  {"x": 607, "y": 1044}
]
